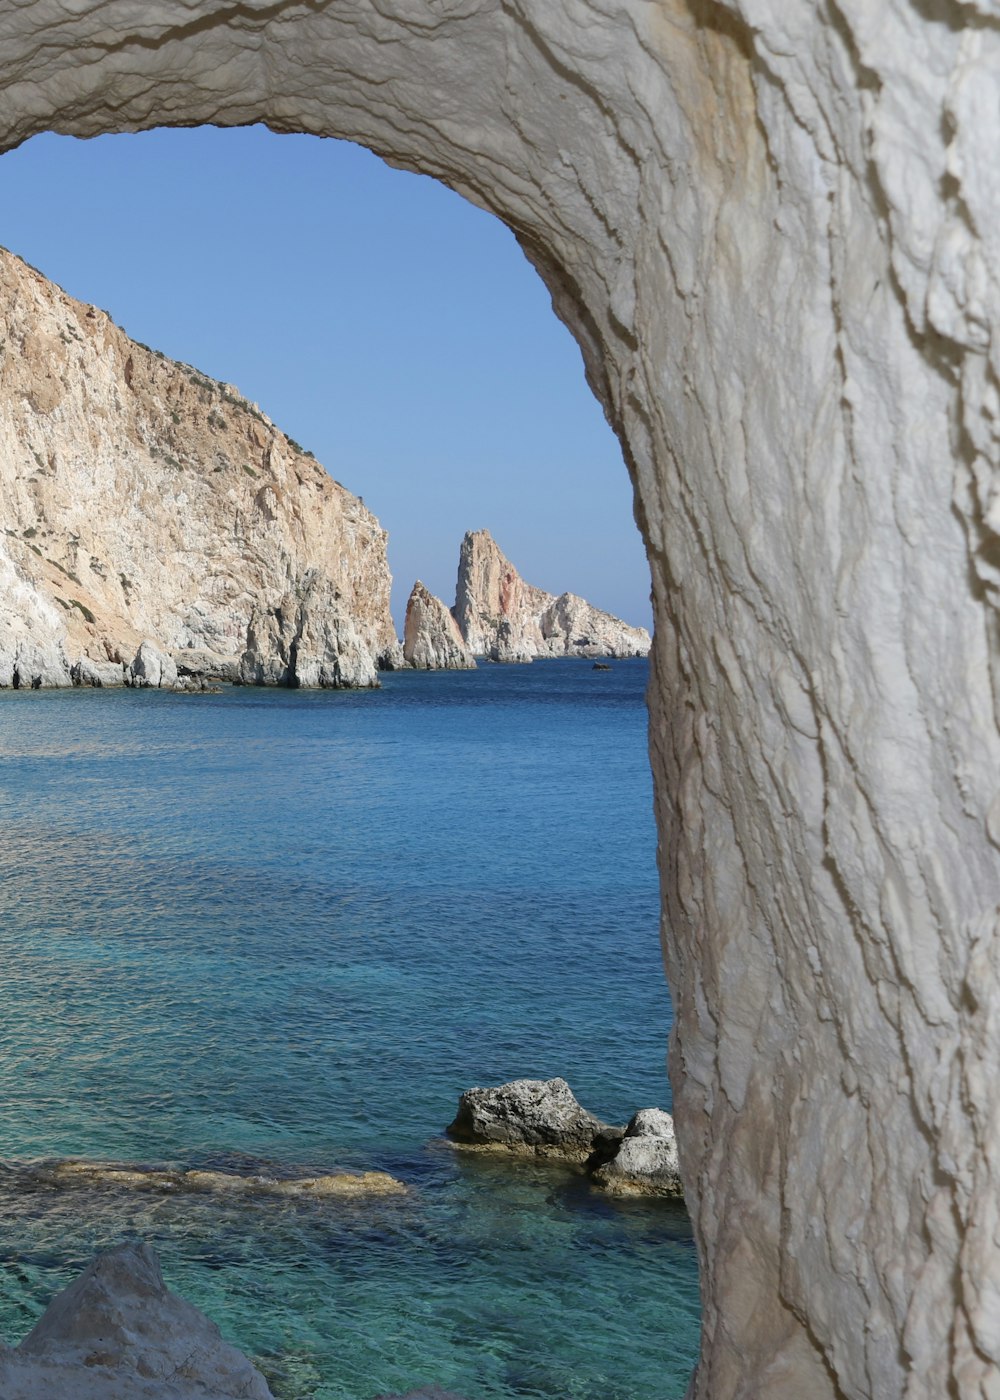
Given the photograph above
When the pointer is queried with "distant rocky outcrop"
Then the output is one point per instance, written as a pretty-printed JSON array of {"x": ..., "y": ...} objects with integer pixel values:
[
  {"x": 543, "y": 1118},
  {"x": 502, "y": 618},
  {"x": 147, "y": 508},
  {"x": 431, "y": 639},
  {"x": 118, "y": 1333}
]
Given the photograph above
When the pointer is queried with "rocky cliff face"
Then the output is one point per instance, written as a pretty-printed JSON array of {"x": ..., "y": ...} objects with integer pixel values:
[
  {"x": 503, "y": 618},
  {"x": 431, "y": 639},
  {"x": 141, "y": 500}
]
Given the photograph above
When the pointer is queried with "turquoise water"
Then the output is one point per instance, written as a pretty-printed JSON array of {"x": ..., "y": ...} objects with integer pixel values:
[{"x": 283, "y": 931}]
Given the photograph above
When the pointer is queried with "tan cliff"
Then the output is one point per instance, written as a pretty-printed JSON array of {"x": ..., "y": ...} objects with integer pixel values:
[
  {"x": 503, "y": 618},
  {"x": 141, "y": 501}
]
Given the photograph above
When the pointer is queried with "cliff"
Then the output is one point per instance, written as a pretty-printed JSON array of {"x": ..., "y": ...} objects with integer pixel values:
[
  {"x": 502, "y": 617},
  {"x": 141, "y": 500}
]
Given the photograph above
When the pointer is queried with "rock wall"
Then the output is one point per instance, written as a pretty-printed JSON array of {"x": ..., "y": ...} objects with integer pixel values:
[
  {"x": 141, "y": 500},
  {"x": 772, "y": 226},
  {"x": 506, "y": 619}
]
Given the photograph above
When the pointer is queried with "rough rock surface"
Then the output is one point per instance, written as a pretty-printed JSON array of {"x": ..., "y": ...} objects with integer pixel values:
[
  {"x": 431, "y": 639},
  {"x": 773, "y": 227},
  {"x": 645, "y": 1163},
  {"x": 129, "y": 1176},
  {"x": 118, "y": 1333},
  {"x": 505, "y": 619},
  {"x": 531, "y": 1117},
  {"x": 148, "y": 512}
]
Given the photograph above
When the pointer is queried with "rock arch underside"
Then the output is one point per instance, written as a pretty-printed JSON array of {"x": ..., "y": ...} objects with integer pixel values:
[{"x": 774, "y": 228}]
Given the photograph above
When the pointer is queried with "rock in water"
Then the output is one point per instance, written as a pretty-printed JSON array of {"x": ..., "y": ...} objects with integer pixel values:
[
  {"x": 145, "y": 506},
  {"x": 75, "y": 1173},
  {"x": 431, "y": 639},
  {"x": 118, "y": 1333},
  {"x": 505, "y": 619},
  {"x": 151, "y": 667},
  {"x": 645, "y": 1163},
  {"x": 531, "y": 1117}
]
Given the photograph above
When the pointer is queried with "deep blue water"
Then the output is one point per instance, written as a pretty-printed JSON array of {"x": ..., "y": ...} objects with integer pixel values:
[{"x": 286, "y": 930}]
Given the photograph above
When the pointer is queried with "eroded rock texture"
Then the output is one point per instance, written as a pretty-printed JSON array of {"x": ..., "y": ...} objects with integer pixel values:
[
  {"x": 431, "y": 639},
  {"x": 148, "y": 512},
  {"x": 772, "y": 226}
]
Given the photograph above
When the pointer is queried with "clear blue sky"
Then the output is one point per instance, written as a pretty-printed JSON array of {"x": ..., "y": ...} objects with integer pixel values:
[{"x": 383, "y": 322}]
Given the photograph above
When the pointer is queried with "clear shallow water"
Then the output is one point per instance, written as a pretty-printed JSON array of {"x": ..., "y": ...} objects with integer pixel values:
[{"x": 286, "y": 930}]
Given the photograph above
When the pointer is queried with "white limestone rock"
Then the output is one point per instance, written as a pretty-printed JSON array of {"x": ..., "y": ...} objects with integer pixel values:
[
  {"x": 571, "y": 626},
  {"x": 307, "y": 638},
  {"x": 143, "y": 501},
  {"x": 431, "y": 639},
  {"x": 205, "y": 665},
  {"x": 505, "y": 619},
  {"x": 89, "y": 671},
  {"x": 152, "y": 668},
  {"x": 118, "y": 1333},
  {"x": 645, "y": 1163}
]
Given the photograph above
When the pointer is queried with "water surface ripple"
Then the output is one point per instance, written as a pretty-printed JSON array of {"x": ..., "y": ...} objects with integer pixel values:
[{"x": 283, "y": 931}]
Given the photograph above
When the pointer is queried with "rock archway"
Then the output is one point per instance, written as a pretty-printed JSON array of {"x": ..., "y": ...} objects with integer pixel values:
[{"x": 772, "y": 226}]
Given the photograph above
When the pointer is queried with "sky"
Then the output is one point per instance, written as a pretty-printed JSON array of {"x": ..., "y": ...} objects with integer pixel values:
[{"x": 378, "y": 318}]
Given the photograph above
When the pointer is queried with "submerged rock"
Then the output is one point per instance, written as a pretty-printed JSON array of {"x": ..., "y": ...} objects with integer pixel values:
[
  {"x": 645, "y": 1163},
  {"x": 423, "y": 1392},
  {"x": 140, "y": 1178},
  {"x": 118, "y": 1333},
  {"x": 530, "y": 1117}
]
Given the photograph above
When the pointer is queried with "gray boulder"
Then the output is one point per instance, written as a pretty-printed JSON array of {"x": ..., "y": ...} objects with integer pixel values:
[
  {"x": 118, "y": 1333},
  {"x": 531, "y": 1117},
  {"x": 645, "y": 1163}
]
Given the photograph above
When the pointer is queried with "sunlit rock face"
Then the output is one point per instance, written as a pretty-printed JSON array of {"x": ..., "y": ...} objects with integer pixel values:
[
  {"x": 142, "y": 503},
  {"x": 504, "y": 618},
  {"x": 431, "y": 639},
  {"x": 772, "y": 226}
]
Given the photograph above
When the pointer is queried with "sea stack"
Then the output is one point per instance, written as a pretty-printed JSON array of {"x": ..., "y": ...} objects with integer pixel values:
[
  {"x": 150, "y": 509},
  {"x": 504, "y": 618},
  {"x": 431, "y": 639}
]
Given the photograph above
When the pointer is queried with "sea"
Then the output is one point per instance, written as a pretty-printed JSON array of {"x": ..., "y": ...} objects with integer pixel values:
[{"x": 272, "y": 931}]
